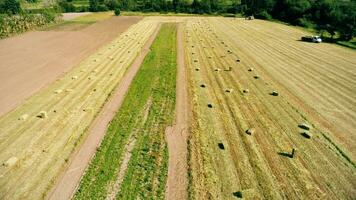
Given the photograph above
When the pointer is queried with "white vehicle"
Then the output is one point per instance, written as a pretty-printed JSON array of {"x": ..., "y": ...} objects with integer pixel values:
[{"x": 315, "y": 39}]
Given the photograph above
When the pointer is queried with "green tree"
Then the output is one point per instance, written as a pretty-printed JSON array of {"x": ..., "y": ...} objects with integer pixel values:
[{"x": 10, "y": 7}]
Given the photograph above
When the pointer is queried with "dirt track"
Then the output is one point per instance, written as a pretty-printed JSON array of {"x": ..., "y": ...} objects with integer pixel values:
[
  {"x": 177, "y": 135},
  {"x": 70, "y": 178},
  {"x": 32, "y": 60}
]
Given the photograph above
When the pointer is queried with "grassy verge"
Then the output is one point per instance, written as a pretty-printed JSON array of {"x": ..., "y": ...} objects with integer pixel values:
[{"x": 147, "y": 110}]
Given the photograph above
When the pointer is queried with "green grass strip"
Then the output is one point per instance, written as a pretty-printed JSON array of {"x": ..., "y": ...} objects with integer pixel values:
[{"x": 146, "y": 175}]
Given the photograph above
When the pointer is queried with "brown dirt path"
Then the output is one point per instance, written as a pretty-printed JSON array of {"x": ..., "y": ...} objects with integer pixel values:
[
  {"x": 32, "y": 60},
  {"x": 69, "y": 180},
  {"x": 177, "y": 136}
]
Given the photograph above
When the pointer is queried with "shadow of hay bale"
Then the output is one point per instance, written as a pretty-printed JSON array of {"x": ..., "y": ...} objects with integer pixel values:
[
  {"x": 306, "y": 134},
  {"x": 250, "y": 131},
  {"x": 237, "y": 194},
  {"x": 221, "y": 146}
]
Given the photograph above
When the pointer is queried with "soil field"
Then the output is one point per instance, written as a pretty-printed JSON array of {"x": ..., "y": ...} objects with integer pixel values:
[
  {"x": 253, "y": 83},
  {"x": 32, "y": 60},
  {"x": 49, "y": 125}
]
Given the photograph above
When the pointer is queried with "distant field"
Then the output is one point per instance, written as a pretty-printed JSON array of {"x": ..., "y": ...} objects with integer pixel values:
[{"x": 79, "y": 22}]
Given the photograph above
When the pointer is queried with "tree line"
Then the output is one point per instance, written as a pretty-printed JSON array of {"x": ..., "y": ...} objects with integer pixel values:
[{"x": 336, "y": 17}]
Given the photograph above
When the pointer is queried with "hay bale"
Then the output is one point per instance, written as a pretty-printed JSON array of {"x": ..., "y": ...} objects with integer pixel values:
[
  {"x": 42, "y": 115},
  {"x": 202, "y": 85},
  {"x": 210, "y": 105},
  {"x": 74, "y": 77},
  {"x": 228, "y": 69},
  {"x": 217, "y": 69},
  {"x": 23, "y": 117},
  {"x": 245, "y": 90},
  {"x": 250, "y": 69},
  {"x": 197, "y": 69},
  {"x": 307, "y": 134},
  {"x": 229, "y": 90},
  {"x": 250, "y": 131},
  {"x": 274, "y": 93},
  {"x": 256, "y": 76},
  {"x": 11, "y": 162},
  {"x": 304, "y": 126},
  {"x": 221, "y": 146},
  {"x": 58, "y": 91},
  {"x": 237, "y": 60}
]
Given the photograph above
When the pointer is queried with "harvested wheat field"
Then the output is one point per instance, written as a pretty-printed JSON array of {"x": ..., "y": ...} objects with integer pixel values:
[
  {"x": 29, "y": 62},
  {"x": 188, "y": 108},
  {"x": 255, "y": 90},
  {"x": 51, "y": 123}
]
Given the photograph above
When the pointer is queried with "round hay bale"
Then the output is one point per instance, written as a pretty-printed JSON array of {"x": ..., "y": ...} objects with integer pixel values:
[
  {"x": 210, "y": 105},
  {"x": 307, "y": 134},
  {"x": 42, "y": 115},
  {"x": 250, "y": 131},
  {"x": 229, "y": 90},
  {"x": 304, "y": 126},
  {"x": 11, "y": 162},
  {"x": 58, "y": 91},
  {"x": 197, "y": 69},
  {"x": 202, "y": 85},
  {"x": 237, "y": 60},
  {"x": 245, "y": 90},
  {"x": 74, "y": 77},
  {"x": 23, "y": 117},
  {"x": 217, "y": 69},
  {"x": 274, "y": 93},
  {"x": 250, "y": 69},
  {"x": 256, "y": 77}
]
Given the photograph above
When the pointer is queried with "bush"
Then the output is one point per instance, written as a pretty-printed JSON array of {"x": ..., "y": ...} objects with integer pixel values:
[
  {"x": 263, "y": 15},
  {"x": 14, "y": 24},
  {"x": 305, "y": 23},
  {"x": 66, "y": 6},
  {"x": 117, "y": 11},
  {"x": 10, "y": 7}
]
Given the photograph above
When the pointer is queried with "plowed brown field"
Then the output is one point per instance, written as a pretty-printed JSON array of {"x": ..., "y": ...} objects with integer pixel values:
[{"x": 316, "y": 84}]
